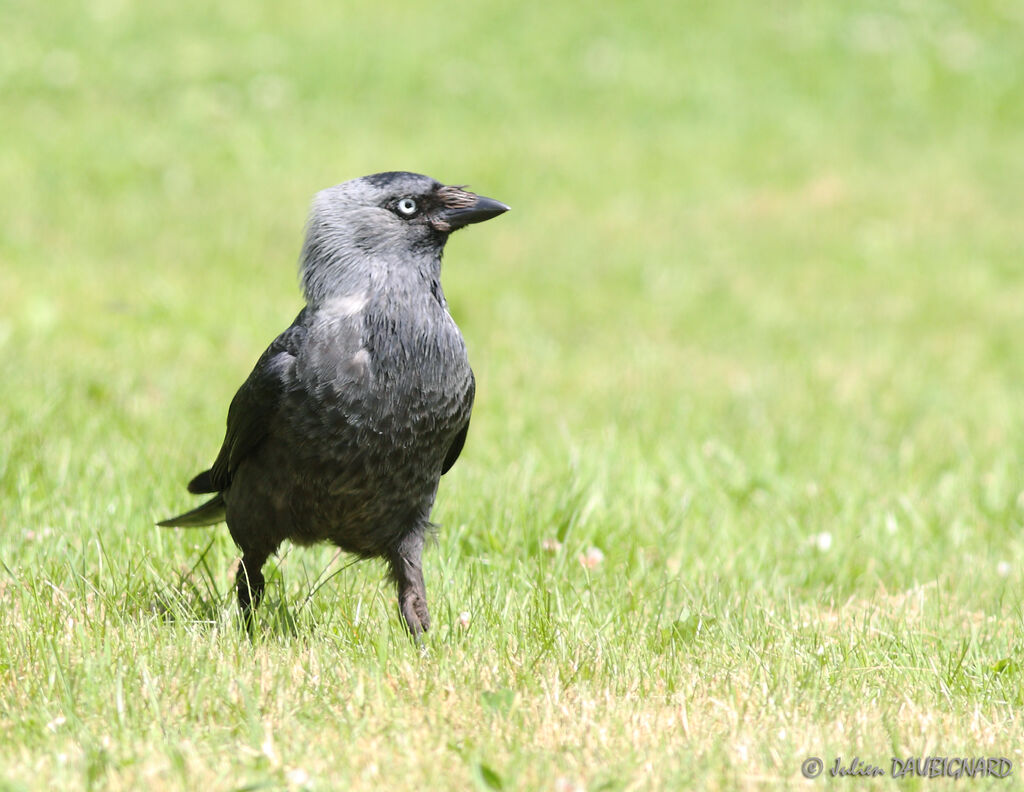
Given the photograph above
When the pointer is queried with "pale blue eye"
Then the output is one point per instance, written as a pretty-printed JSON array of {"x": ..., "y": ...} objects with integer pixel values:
[{"x": 407, "y": 206}]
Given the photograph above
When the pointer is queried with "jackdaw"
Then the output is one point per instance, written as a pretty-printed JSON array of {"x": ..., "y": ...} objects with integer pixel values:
[{"x": 351, "y": 416}]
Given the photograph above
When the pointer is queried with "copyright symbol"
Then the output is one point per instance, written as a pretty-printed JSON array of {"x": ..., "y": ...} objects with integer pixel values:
[{"x": 811, "y": 767}]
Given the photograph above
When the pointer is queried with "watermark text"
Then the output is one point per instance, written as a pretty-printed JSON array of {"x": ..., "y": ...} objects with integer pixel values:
[{"x": 910, "y": 767}]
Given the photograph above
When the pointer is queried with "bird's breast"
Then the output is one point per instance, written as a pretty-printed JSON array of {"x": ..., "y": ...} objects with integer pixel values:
[{"x": 385, "y": 368}]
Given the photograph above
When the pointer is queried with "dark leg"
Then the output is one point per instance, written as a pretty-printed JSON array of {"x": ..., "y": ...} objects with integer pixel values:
[
  {"x": 407, "y": 570},
  {"x": 249, "y": 581}
]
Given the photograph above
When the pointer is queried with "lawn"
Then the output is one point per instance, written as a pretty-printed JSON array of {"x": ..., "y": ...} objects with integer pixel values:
[{"x": 745, "y": 480}]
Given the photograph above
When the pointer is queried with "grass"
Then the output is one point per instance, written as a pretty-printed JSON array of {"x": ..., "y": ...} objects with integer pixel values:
[{"x": 751, "y": 331}]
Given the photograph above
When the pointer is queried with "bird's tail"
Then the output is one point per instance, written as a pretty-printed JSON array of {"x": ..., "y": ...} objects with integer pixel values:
[{"x": 209, "y": 513}]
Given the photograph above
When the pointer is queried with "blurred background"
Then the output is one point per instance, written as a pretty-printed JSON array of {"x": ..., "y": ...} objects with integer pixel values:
[
  {"x": 750, "y": 334},
  {"x": 756, "y": 249}
]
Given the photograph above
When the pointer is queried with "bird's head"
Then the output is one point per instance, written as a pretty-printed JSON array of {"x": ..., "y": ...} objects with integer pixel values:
[{"x": 394, "y": 220}]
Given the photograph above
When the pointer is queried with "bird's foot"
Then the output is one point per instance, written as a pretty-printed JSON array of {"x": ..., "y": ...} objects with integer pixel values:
[
  {"x": 250, "y": 583},
  {"x": 413, "y": 605}
]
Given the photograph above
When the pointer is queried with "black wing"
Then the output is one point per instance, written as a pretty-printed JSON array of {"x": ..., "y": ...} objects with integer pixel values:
[
  {"x": 253, "y": 408},
  {"x": 460, "y": 439}
]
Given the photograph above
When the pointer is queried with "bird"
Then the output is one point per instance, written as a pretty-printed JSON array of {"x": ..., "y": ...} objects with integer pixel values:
[{"x": 350, "y": 417}]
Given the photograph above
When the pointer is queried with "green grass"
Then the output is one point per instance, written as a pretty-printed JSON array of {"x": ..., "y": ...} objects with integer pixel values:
[{"x": 752, "y": 330}]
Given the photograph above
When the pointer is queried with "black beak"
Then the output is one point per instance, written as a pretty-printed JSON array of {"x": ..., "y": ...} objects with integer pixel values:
[{"x": 478, "y": 211}]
